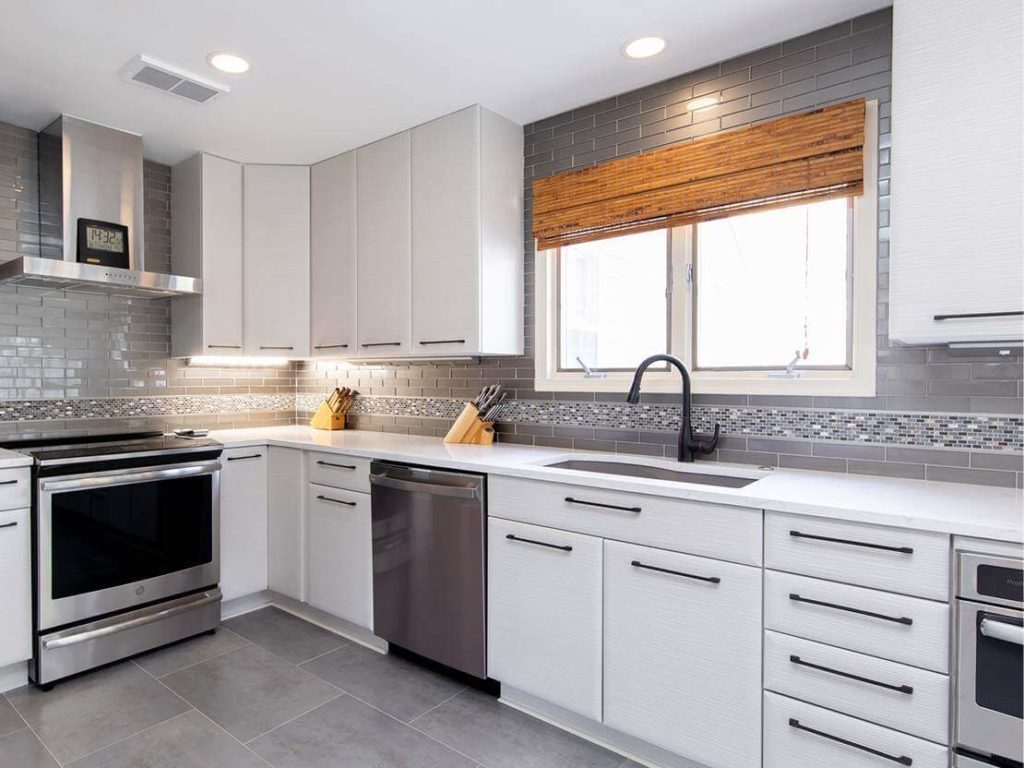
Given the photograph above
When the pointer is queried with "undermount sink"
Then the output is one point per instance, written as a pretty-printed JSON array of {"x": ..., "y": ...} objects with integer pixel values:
[{"x": 654, "y": 473}]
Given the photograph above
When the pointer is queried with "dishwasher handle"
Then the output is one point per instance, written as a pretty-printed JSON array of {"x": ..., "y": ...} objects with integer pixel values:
[{"x": 416, "y": 486}]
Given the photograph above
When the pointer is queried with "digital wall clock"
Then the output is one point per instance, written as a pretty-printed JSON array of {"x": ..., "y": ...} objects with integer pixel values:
[{"x": 103, "y": 243}]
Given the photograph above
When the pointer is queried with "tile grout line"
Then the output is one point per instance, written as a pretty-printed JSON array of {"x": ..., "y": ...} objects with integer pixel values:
[
  {"x": 29, "y": 726},
  {"x": 131, "y": 736},
  {"x": 238, "y": 741},
  {"x": 193, "y": 664},
  {"x": 464, "y": 688},
  {"x": 320, "y": 655},
  {"x": 301, "y": 714}
]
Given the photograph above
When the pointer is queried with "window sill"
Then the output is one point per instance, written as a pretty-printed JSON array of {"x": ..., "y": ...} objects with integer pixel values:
[{"x": 825, "y": 384}]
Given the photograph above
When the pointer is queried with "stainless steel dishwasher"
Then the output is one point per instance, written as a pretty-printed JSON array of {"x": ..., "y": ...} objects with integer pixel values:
[{"x": 429, "y": 563}]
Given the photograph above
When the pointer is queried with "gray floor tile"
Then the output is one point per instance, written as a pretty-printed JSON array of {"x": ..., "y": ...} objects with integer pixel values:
[
  {"x": 10, "y": 720},
  {"x": 348, "y": 734},
  {"x": 22, "y": 749},
  {"x": 288, "y": 636},
  {"x": 399, "y": 687},
  {"x": 501, "y": 737},
  {"x": 187, "y": 741},
  {"x": 250, "y": 690},
  {"x": 188, "y": 652},
  {"x": 90, "y": 712}
]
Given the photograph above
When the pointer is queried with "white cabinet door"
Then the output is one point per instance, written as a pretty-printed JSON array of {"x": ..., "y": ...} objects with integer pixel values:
[
  {"x": 286, "y": 526},
  {"x": 276, "y": 236},
  {"x": 16, "y": 596},
  {"x": 446, "y": 234},
  {"x": 333, "y": 256},
  {"x": 544, "y": 614},
  {"x": 383, "y": 247},
  {"x": 243, "y": 521},
  {"x": 341, "y": 554},
  {"x": 682, "y": 654}
]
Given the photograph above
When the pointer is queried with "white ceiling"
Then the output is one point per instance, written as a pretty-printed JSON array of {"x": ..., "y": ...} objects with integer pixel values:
[{"x": 329, "y": 75}]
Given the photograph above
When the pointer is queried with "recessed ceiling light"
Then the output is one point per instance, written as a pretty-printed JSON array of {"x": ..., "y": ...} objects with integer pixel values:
[
  {"x": 644, "y": 47},
  {"x": 228, "y": 62}
]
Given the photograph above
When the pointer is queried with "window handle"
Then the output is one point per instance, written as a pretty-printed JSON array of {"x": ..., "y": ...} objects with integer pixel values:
[{"x": 588, "y": 372}]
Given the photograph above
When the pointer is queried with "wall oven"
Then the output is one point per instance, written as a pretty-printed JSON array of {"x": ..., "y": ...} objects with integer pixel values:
[{"x": 989, "y": 727}]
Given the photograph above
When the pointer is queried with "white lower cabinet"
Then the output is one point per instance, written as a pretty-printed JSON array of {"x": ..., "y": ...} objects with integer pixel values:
[
  {"x": 243, "y": 521},
  {"x": 340, "y": 555},
  {"x": 16, "y": 597},
  {"x": 544, "y": 614},
  {"x": 285, "y": 488},
  {"x": 682, "y": 654}
]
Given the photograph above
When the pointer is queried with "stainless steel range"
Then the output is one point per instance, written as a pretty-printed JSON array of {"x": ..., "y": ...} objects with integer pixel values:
[{"x": 125, "y": 532}]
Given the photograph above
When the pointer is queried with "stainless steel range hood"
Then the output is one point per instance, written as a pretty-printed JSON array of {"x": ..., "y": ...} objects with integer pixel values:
[{"x": 90, "y": 171}]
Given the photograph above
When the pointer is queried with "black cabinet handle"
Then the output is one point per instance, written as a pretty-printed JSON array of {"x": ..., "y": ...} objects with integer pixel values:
[
  {"x": 9, "y": 525},
  {"x": 336, "y": 466},
  {"x": 852, "y": 543},
  {"x": 709, "y": 579},
  {"x": 902, "y": 759},
  {"x": 8, "y": 482},
  {"x": 444, "y": 341},
  {"x": 563, "y": 547},
  {"x": 382, "y": 344},
  {"x": 223, "y": 346},
  {"x": 243, "y": 458},
  {"x": 898, "y": 688},
  {"x": 598, "y": 504},
  {"x": 337, "y": 501},
  {"x": 895, "y": 619},
  {"x": 968, "y": 315},
  {"x": 330, "y": 346},
  {"x": 262, "y": 347}
]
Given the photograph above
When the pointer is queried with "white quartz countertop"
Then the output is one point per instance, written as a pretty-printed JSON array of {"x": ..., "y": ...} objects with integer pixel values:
[
  {"x": 13, "y": 459},
  {"x": 963, "y": 510}
]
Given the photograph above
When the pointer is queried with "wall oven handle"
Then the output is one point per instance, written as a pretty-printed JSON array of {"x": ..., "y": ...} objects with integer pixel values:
[
  {"x": 128, "y": 476},
  {"x": 860, "y": 612},
  {"x": 709, "y": 579},
  {"x": 1001, "y": 630},
  {"x": 74, "y": 638},
  {"x": 563, "y": 547},
  {"x": 852, "y": 543},
  {"x": 601, "y": 505},
  {"x": 901, "y": 759},
  {"x": 888, "y": 686},
  {"x": 415, "y": 486}
]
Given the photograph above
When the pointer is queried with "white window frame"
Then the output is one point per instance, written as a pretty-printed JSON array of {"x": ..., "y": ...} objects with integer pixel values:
[{"x": 856, "y": 382}]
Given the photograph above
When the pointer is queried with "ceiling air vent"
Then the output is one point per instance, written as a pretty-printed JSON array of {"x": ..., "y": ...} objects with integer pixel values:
[{"x": 151, "y": 72}]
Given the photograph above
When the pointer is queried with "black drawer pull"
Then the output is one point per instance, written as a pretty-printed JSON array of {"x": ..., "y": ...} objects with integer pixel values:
[
  {"x": 898, "y": 688},
  {"x": 563, "y": 547},
  {"x": 243, "y": 458},
  {"x": 224, "y": 346},
  {"x": 277, "y": 347},
  {"x": 851, "y": 542},
  {"x": 444, "y": 341},
  {"x": 895, "y": 619},
  {"x": 382, "y": 344},
  {"x": 336, "y": 466},
  {"x": 8, "y": 482},
  {"x": 902, "y": 759},
  {"x": 598, "y": 504},
  {"x": 330, "y": 346},
  {"x": 968, "y": 315},
  {"x": 709, "y": 579},
  {"x": 9, "y": 525},
  {"x": 337, "y": 501}
]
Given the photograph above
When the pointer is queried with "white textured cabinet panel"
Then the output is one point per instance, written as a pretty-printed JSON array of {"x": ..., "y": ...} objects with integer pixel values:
[
  {"x": 957, "y": 182},
  {"x": 711, "y": 530},
  {"x": 682, "y": 656},
  {"x": 333, "y": 257},
  {"x": 544, "y": 614},
  {"x": 787, "y": 746},
  {"x": 859, "y": 619},
  {"x": 383, "y": 247},
  {"x": 16, "y": 597},
  {"x": 340, "y": 554},
  {"x": 907, "y": 699},
  {"x": 15, "y": 488},
  {"x": 446, "y": 234},
  {"x": 276, "y": 264},
  {"x": 894, "y": 559},
  {"x": 286, "y": 486},
  {"x": 339, "y": 471},
  {"x": 243, "y": 521}
]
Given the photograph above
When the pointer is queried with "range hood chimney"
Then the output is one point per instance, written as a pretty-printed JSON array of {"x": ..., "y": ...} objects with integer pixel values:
[{"x": 91, "y": 173}]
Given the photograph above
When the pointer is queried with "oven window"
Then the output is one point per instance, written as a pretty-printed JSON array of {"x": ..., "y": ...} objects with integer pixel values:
[
  {"x": 106, "y": 537},
  {"x": 999, "y": 670}
]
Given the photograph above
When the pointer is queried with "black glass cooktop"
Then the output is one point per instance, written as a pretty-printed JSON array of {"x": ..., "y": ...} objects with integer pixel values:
[{"x": 61, "y": 448}]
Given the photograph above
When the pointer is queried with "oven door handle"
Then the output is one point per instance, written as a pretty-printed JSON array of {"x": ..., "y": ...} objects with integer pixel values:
[
  {"x": 128, "y": 476},
  {"x": 1001, "y": 630}
]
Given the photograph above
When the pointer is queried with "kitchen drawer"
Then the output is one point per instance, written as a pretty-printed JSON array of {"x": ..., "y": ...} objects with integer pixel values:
[
  {"x": 15, "y": 492},
  {"x": 907, "y": 699},
  {"x": 339, "y": 471},
  {"x": 799, "y": 735},
  {"x": 711, "y": 530},
  {"x": 904, "y": 629},
  {"x": 894, "y": 559},
  {"x": 340, "y": 554}
]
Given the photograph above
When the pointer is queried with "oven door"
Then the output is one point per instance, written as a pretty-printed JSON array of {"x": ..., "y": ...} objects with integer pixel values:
[
  {"x": 109, "y": 541},
  {"x": 990, "y": 684}
]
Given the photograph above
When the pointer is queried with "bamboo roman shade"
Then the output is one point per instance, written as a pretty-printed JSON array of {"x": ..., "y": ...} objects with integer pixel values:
[{"x": 795, "y": 159}]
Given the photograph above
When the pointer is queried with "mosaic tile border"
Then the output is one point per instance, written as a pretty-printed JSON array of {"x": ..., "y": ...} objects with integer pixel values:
[{"x": 133, "y": 407}]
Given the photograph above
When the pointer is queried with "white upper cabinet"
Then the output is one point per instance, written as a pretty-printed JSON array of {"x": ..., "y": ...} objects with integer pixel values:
[
  {"x": 206, "y": 242},
  {"x": 277, "y": 262},
  {"x": 957, "y": 184},
  {"x": 383, "y": 262},
  {"x": 333, "y": 252}
]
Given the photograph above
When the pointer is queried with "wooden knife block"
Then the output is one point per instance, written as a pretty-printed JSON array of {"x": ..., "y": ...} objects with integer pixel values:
[
  {"x": 325, "y": 418},
  {"x": 470, "y": 428}
]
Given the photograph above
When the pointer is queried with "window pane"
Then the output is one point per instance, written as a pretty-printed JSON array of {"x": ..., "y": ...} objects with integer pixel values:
[
  {"x": 614, "y": 303},
  {"x": 773, "y": 283}
]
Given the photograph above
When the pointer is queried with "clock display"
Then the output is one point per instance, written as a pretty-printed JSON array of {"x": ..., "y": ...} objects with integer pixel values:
[{"x": 103, "y": 239}]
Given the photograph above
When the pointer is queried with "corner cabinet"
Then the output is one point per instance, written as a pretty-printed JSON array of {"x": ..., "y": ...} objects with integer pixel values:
[{"x": 957, "y": 263}]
